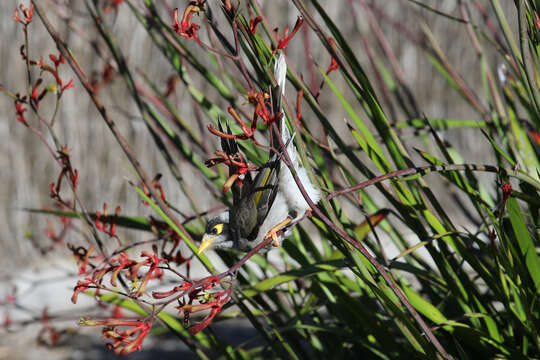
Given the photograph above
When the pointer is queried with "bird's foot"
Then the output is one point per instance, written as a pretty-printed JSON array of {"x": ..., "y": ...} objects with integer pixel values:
[
  {"x": 273, "y": 232},
  {"x": 275, "y": 240}
]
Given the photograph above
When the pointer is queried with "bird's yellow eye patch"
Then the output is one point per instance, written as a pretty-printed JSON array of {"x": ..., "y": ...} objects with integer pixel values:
[{"x": 217, "y": 229}]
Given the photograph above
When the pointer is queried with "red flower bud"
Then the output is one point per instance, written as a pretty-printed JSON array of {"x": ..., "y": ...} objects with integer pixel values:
[
  {"x": 27, "y": 13},
  {"x": 284, "y": 42},
  {"x": 253, "y": 24}
]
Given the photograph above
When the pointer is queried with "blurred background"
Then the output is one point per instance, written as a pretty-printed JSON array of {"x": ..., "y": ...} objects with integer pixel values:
[{"x": 27, "y": 169}]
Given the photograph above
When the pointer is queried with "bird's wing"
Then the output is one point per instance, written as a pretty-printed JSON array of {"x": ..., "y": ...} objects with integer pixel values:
[
  {"x": 230, "y": 147},
  {"x": 265, "y": 185},
  {"x": 259, "y": 195},
  {"x": 264, "y": 189}
]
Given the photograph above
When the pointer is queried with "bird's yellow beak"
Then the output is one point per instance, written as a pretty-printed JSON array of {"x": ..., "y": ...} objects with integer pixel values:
[{"x": 206, "y": 243}]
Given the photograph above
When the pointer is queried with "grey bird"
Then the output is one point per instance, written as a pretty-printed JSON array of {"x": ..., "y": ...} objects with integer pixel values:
[{"x": 268, "y": 203}]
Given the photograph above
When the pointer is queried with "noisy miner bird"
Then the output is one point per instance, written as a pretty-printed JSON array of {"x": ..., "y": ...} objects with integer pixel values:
[{"x": 268, "y": 203}]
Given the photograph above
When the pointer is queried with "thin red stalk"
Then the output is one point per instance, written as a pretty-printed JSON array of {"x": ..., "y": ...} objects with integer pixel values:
[
  {"x": 385, "y": 44},
  {"x": 310, "y": 66},
  {"x": 464, "y": 88},
  {"x": 55, "y": 156},
  {"x": 380, "y": 81},
  {"x": 156, "y": 101},
  {"x": 361, "y": 248},
  {"x": 128, "y": 151},
  {"x": 239, "y": 59},
  {"x": 394, "y": 62},
  {"x": 310, "y": 20},
  {"x": 412, "y": 171},
  {"x": 491, "y": 26},
  {"x": 236, "y": 57},
  {"x": 480, "y": 53},
  {"x": 403, "y": 30}
]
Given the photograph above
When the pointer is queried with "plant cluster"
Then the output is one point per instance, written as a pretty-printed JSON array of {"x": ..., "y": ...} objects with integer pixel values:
[{"x": 475, "y": 291}]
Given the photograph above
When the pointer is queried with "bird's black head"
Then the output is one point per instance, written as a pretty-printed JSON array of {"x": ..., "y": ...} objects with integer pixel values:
[
  {"x": 216, "y": 226},
  {"x": 217, "y": 233}
]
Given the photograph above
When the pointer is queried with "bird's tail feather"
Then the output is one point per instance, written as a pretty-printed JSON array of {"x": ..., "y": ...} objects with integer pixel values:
[{"x": 288, "y": 141}]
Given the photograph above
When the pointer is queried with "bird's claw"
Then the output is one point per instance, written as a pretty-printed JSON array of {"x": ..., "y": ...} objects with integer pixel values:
[
  {"x": 275, "y": 240},
  {"x": 273, "y": 232}
]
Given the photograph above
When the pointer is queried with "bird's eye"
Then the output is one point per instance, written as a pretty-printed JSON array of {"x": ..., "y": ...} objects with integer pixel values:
[{"x": 216, "y": 230}]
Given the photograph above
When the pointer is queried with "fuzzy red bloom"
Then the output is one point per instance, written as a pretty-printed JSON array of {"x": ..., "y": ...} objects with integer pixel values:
[
  {"x": 123, "y": 342},
  {"x": 156, "y": 185},
  {"x": 112, "y": 228},
  {"x": 35, "y": 92},
  {"x": 74, "y": 177},
  {"x": 227, "y": 5},
  {"x": 81, "y": 254},
  {"x": 82, "y": 285},
  {"x": 212, "y": 301},
  {"x": 507, "y": 190},
  {"x": 7, "y": 320},
  {"x": 97, "y": 222},
  {"x": 67, "y": 170},
  {"x": 83, "y": 262},
  {"x": 20, "y": 110},
  {"x": 53, "y": 193},
  {"x": 203, "y": 324},
  {"x": 48, "y": 336},
  {"x": 66, "y": 221},
  {"x": 154, "y": 272},
  {"x": 333, "y": 63},
  {"x": 333, "y": 66},
  {"x": 284, "y": 41},
  {"x": 113, "y": 4},
  {"x": 185, "y": 27},
  {"x": 123, "y": 262},
  {"x": 127, "y": 341},
  {"x": 8, "y": 299},
  {"x": 253, "y": 24},
  {"x": 57, "y": 60},
  {"x": 35, "y": 96},
  {"x": 209, "y": 282},
  {"x": 235, "y": 160},
  {"x": 49, "y": 230},
  {"x": 299, "y": 97},
  {"x": 27, "y": 13},
  {"x": 536, "y": 137},
  {"x": 101, "y": 220},
  {"x": 98, "y": 81},
  {"x": 116, "y": 3},
  {"x": 177, "y": 289},
  {"x": 159, "y": 187},
  {"x": 16, "y": 16},
  {"x": 117, "y": 312},
  {"x": 69, "y": 85},
  {"x": 259, "y": 99},
  {"x": 171, "y": 85}
]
